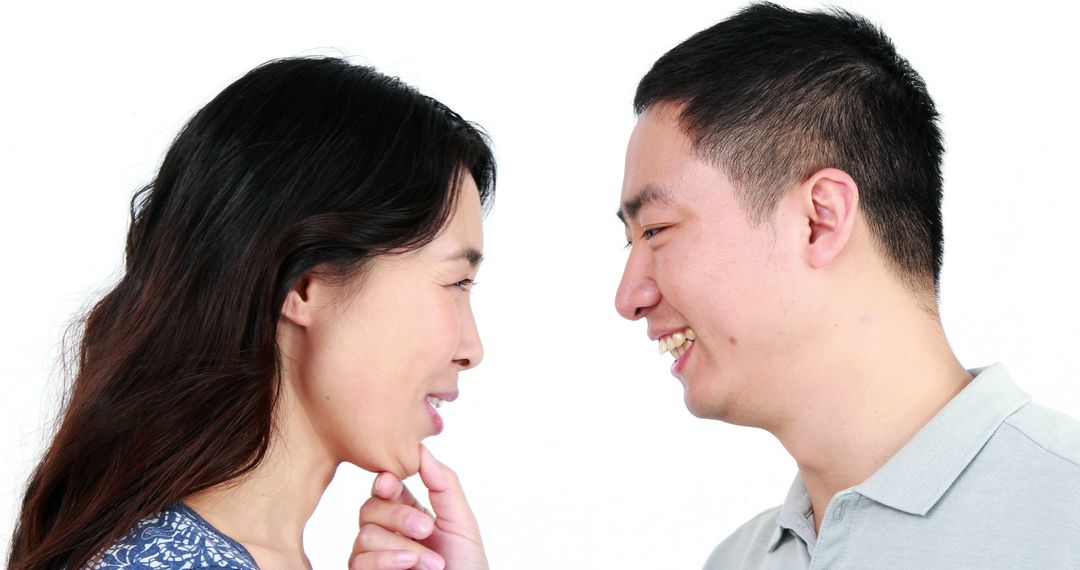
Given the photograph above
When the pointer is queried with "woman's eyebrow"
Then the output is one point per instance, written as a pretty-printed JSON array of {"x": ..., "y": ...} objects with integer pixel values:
[{"x": 470, "y": 254}]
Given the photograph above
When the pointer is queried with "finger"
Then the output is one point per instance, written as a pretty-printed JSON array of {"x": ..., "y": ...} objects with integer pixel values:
[
  {"x": 396, "y": 560},
  {"x": 385, "y": 560},
  {"x": 388, "y": 486},
  {"x": 374, "y": 538},
  {"x": 396, "y": 517},
  {"x": 444, "y": 490}
]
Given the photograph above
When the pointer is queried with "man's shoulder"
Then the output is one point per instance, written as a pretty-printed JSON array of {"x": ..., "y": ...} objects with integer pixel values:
[
  {"x": 1054, "y": 433},
  {"x": 749, "y": 541},
  {"x": 173, "y": 538},
  {"x": 1024, "y": 478}
]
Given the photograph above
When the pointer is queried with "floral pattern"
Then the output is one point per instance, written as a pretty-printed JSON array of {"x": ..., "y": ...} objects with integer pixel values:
[{"x": 174, "y": 539}]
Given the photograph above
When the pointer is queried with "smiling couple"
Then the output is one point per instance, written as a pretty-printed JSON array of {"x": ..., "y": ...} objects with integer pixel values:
[{"x": 782, "y": 202}]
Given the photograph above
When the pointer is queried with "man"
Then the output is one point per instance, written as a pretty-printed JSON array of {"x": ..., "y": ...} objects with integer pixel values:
[{"x": 782, "y": 200}]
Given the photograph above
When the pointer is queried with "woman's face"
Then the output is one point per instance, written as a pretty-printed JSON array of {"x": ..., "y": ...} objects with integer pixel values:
[{"x": 372, "y": 356}]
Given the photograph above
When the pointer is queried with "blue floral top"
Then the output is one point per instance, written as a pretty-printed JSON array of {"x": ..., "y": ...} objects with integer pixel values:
[{"x": 174, "y": 539}]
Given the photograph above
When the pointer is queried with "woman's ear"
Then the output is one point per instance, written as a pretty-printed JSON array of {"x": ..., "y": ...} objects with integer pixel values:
[
  {"x": 299, "y": 306},
  {"x": 832, "y": 201}
]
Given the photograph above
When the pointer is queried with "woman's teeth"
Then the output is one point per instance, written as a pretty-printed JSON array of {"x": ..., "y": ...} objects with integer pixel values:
[
  {"x": 678, "y": 343},
  {"x": 434, "y": 401}
]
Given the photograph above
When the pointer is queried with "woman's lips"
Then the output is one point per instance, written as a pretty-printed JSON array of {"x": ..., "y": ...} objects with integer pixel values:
[
  {"x": 433, "y": 401},
  {"x": 436, "y": 419}
]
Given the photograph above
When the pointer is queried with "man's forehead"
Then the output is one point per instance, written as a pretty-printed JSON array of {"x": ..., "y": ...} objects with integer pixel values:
[{"x": 657, "y": 151}]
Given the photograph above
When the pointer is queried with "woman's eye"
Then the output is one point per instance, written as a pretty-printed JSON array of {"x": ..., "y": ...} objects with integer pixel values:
[{"x": 465, "y": 284}]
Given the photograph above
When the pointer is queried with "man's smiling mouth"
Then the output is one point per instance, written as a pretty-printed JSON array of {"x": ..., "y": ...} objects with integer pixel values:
[{"x": 678, "y": 343}]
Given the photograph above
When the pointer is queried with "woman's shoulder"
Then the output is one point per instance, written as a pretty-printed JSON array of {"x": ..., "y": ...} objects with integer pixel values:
[{"x": 176, "y": 538}]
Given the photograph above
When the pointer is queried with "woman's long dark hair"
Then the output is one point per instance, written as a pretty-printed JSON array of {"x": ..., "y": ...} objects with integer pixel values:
[{"x": 302, "y": 165}]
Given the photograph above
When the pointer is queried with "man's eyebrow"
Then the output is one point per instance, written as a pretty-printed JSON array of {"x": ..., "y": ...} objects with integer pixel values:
[
  {"x": 648, "y": 195},
  {"x": 470, "y": 254}
]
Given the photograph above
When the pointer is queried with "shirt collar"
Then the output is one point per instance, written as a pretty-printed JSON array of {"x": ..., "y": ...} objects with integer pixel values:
[
  {"x": 919, "y": 474},
  {"x": 796, "y": 515},
  {"x": 915, "y": 479}
]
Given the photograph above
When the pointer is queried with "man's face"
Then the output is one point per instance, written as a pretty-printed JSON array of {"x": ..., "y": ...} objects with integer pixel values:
[{"x": 696, "y": 261}]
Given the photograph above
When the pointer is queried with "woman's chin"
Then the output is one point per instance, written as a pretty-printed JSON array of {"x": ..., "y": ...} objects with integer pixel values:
[
  {"x": 402, "y": 466},
  {"x": 405, "y": 471}
]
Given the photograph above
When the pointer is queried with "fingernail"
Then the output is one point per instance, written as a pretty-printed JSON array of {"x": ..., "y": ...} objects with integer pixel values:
[
  {"x": 418, "y": 525},
  {"x": 431, "y": 561}
]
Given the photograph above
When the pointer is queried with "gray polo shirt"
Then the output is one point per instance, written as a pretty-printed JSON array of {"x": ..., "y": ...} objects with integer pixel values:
[{"x": 993, "y": 481}]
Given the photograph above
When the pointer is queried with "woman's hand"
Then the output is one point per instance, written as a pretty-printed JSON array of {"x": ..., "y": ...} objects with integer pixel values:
[{"x": 396, "y": 532}]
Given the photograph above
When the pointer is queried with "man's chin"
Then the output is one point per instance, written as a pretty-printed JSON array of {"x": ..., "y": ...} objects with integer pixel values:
[
  {"x": 709, "y": 406},
  {"x": 700, "y": 405}
]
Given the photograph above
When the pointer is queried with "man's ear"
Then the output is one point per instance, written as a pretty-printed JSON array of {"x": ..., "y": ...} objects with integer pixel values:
[
  {"x": 299, "y": 306},
  {"x": 832, "y": 201}
]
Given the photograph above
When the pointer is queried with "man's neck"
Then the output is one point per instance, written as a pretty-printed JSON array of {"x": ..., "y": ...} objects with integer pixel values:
[{"x": 869, "y": 396}]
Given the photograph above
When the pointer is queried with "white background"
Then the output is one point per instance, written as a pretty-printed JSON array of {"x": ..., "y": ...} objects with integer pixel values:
[{"x": 572, "y": 438}]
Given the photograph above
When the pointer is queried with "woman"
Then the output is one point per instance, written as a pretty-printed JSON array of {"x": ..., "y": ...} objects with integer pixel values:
[{"x": 295, "y": 295}]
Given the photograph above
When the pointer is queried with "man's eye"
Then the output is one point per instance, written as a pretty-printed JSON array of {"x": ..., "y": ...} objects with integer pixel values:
[
  {"x": 465, "y": 284},
  {"x": 649, "y": 233},
  {"x": 646, "y": 234}
]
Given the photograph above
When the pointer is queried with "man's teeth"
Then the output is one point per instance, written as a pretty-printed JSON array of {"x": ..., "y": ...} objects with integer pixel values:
[
  {"x": 434, "y": 401},
  {"x": 678, "y": 343}
]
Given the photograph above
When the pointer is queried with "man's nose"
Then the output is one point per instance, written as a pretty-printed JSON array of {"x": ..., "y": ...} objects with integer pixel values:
[{"x": 637, "y": 291}]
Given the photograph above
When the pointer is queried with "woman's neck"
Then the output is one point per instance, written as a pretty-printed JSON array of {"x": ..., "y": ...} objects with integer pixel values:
[{"x": 267, "y": 509}]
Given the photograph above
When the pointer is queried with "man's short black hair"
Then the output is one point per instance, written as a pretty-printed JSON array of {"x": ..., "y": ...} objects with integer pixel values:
[{"x": 772, "y": 95}]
